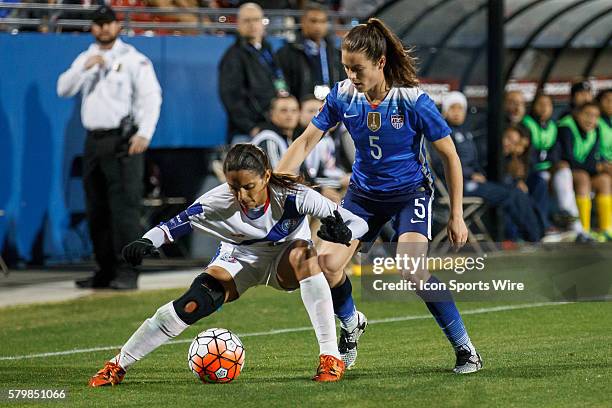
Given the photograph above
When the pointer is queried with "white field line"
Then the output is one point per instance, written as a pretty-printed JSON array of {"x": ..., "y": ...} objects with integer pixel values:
[{"x": 289, "y": 330}]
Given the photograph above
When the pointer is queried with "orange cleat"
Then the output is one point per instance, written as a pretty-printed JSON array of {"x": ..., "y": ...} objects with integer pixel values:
[
  {"x": 330, "y": 369},
  {"x": 110, "y": 374}
]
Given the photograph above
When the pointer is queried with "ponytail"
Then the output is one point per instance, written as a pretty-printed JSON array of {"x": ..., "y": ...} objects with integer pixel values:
[{"x": 376, "y": 40}]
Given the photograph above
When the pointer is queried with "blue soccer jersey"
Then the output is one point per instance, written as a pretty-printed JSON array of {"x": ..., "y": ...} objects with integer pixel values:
[{"x": 389, "y": 138}]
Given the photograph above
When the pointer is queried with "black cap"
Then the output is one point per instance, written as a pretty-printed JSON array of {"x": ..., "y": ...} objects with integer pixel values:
[
  {"x": 580, "y": 86},
  {"x": 103, "y": 14}
]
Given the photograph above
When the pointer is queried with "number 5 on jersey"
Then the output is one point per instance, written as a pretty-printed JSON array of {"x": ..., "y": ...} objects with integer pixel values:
[
  {"x": 375, "y": 149},
  {"x": 419, "y": 210}
]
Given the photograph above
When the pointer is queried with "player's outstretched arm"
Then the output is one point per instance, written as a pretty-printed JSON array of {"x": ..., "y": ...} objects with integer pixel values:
[
  {"x": 299, "y": 150},
  {"x": 457, "y": 231},
  {"x": 162, "y": 234}
]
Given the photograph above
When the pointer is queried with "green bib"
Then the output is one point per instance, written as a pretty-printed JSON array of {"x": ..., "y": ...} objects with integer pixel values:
[
  {"x": 582, "y": 146},
  {"x": 542, "y": 140},
  {"x": 605, "y": 139}
]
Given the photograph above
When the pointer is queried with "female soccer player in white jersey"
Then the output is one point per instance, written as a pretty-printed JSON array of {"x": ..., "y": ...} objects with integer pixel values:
[
  {"x": 259, "y": 216},
  {"x": 389, "y": 118}
]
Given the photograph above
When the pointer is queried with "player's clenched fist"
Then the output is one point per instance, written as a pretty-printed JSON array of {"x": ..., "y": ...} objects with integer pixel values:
[
  {"x": 136, "y": 250},
  {"x": 334, "y": 229}
]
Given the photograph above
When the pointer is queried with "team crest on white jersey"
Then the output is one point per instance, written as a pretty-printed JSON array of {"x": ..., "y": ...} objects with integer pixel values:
[
  {"x": 397, "y": 121},
  {"x": 289, "y": 224},
  {"x": 228, "y": 258}
]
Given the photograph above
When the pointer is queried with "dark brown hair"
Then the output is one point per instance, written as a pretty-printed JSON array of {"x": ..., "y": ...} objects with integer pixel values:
[
  {"x": 246, "y": 156},
  {"x": 375, "y": 40},
  {"x": 602, "y": 94},
  {"x": 538, "y": 95},
  {"x": 580, "y": 108}
]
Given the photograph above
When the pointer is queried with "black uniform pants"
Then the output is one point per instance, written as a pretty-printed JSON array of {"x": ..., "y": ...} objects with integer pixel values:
[{"x": 113, "y": 192}]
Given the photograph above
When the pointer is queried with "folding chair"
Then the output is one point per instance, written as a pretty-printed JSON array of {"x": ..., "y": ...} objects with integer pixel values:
[{"x": 473, "y": 210}]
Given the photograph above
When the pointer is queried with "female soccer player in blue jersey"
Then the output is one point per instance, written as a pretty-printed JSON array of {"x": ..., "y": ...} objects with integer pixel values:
[{"x": 389, "y": 118}]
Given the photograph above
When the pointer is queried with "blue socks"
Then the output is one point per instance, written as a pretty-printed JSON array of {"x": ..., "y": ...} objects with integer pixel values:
[
  {"x": 344, "y": 307},
  {"x": 439, "y": 302},
  {"x": 441, "y": 305}
]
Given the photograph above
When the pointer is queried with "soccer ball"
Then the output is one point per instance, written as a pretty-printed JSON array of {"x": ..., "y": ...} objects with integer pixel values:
[{"x": 216, "y": 356}]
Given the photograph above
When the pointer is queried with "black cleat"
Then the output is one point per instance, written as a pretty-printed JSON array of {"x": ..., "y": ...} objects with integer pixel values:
[
  {"x": 348, "y": 341},
  {"x": 467, "y": 362}
]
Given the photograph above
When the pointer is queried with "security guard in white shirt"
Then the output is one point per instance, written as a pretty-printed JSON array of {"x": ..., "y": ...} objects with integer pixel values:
[{"x": 121, "y": 100}]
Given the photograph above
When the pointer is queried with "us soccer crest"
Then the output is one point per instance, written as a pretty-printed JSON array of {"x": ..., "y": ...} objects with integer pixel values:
[
  {"x": 397, "y": 120},
  {"x": 374, "y": 121}
]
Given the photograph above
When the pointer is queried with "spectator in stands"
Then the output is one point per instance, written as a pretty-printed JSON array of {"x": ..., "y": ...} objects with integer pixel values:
[
  {"x": 249, "y": 77},
  {"x": 515, "y": 149},
  {"x": 604, "y": 99},
  {"x": 514, "y": 107},
  {"x": 543, "y": 150},
  {"x": 275, "y": 135},
  {"x": 189, "y": 18},
  {"x": 563, "y": 179},
  {"x": 580, "y": 93},
  {"x": 516, "y": 204},
  {"x": 120, "y": 105},
  {"x": 580, "y": 147},
  {"x": 50, "y": 18},
  {"x": 311, "y": 63},
  {"x": 517, "y": 165},
  {"x": 542, "y": 132}
]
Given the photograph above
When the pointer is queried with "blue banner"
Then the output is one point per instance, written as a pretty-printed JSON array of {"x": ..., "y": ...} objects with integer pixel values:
[{"x": 41, "y": 134}]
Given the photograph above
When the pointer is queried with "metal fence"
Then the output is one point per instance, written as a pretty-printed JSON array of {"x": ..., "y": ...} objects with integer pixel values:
[{"x": 58, "y": 17}]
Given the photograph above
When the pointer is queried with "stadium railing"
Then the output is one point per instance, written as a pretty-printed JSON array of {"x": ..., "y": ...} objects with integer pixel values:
[{"x": 209, "y": 20}]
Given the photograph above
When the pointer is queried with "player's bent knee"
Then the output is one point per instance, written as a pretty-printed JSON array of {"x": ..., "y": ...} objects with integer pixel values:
[
  {"x": 303, "y": 260},
  {"x": 203, "y": 298}
]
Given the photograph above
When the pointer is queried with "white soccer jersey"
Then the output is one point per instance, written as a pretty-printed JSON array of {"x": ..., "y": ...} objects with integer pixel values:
[{"x": 219, "y": 214}]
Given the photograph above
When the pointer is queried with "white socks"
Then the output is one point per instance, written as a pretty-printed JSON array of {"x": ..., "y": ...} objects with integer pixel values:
[
  {"x": 165, "y": 324},
  {"x": 317, "y": 299},
  {"x": 563, "y": 183},
  {"x": 155, "y": 331}
]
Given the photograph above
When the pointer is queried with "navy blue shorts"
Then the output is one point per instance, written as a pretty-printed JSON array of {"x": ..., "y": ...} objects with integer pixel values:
[{"x": 409, "y": 212}]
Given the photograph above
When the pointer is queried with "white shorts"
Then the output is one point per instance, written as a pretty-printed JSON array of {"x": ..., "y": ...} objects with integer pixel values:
[{"x": 251, "y": 266}]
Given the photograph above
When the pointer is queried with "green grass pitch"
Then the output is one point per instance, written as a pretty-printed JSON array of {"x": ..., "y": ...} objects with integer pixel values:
[{"x": 548, "y": 355}]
